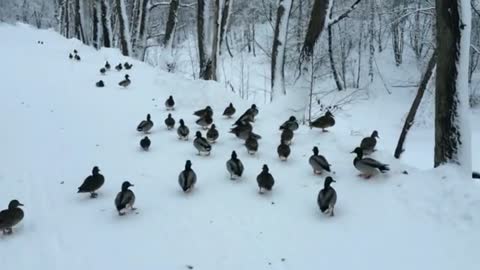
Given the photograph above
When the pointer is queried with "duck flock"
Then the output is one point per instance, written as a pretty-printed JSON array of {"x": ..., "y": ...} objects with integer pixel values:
[{"x": 242, "y": 128}]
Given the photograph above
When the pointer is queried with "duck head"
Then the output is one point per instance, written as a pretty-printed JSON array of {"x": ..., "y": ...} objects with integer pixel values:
[
  {"x": 358, "y": 151},
  {"x": 315, "y": 151},
  {"x": 127, "y": 77},
  {"x": 213, "y": 126},
  {"x": 234, "y": 155},
  {"x": 169, "y": 115},
  {"x": 198, "y": 134},
  {"x": 375, "y": 134},
  {"x": 188, "y": 165},
  {"x": 126, "y": 185},
  {"x": 14, "y": 204},
  {"x": 254, "y": 106},
  {"x": 95, "y": 170},
  {"x": 148, "y": 117},
  {"x": 181, "y": 122},
  {"x": 292, "y": 118},
  {"x": 265, "y": 168},
  {"x": 328, "y": 181},
  {"x": 328, "y": 113}
]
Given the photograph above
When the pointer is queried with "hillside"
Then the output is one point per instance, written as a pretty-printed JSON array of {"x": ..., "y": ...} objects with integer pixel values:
[{"x": 58, "y": 125}]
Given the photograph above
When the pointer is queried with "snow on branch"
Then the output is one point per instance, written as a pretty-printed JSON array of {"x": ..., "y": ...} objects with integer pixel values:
[
  {"x": 161, "y": 4},
  {"x": 344, "y": 15}
]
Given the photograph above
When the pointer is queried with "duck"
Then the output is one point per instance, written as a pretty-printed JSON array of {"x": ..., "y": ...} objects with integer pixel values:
[
  {"x": 146, "y": 125},
  {"x": 205, "y": 121},
  {"x": 327, "y": 197},
  {"x": 265, "y": 180},
  {"x": 203, "y": 112},
  {"x": 324, "y": 122},
  {"x": 201, "y": 144},
  {"x": 234, "y": 166},
  {"x": 242, "y": 131},
  {"x": 77, "y": 57},
  {"x": 11, "y": 216},
  {"x": 118, "y": 67},
  {"x": 229, "y": 111},
  {"x": 291, "y": 124},
  {"x": 107, "y": 65},
  {"x": 145, "y": 143},
  {"x": 70, "y": 55},
  {"x": 126, "y": 82},
  {"x": 212, "y": 134},
  {"x": 318, "y": 162},
  {"x": 170, "y": 122},
  {"x": 183, "y": 131},
  {"x": 92, "y": 183},
  {"x": 103, "y": 71},
  {"x": 283, "y": 151},
  {"x": 287, "y": 136},
  {"x": 254, "y": 110},
  {"x": 125, "y": 199},
  {"x": 251, "y": 144},
  {"x": 187, "y": 178},
  {"x": 368, "y": 143},
  {"x": 75, "y": 51},
  {"x": 170, "y": 103},
  {"x": 475, "y": 175},
  {"x": 368, "y": 166},
  {"x": 100, "y": 84},
  {"x": 248, "y": 116},
  {"x": 127, "y": 66}
]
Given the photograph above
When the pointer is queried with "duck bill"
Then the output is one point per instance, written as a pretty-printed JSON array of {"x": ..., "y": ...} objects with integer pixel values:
[{"x": 21, "y": 204}]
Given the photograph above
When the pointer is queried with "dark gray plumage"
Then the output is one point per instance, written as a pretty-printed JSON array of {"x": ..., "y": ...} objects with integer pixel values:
[
  {"x": 234, "y": 166},
  {"x": 251, "y": 144},
  {"x": 291, "y": 124},
  {"x": 368, "y": 166},
  {"x": 70, "y": 56},
  {"x": 170, "y": 103},
  {"x": 145, "y": 143},
  {"x": 327, "y": 197},
  {"x": 103, "y": 71},
  {"x": 318, "y": 162},
  {"x": 205, "y": 121},
  {"x": 125, "y": 199},
  {"x": 248, "y": 116},
  {"x": 283, "y": 151},
  {"x": 107, "y": 65},
  {"x": 77, "y": 57},
  {"x": 183, "y": 131},
  {"x": 242, "y": 131},
  {"x": 368, "y": 144},
  {"x": 127, "y": 66},
  {"x": 146, "y": 125},
  {"x": 475, "y": 175},
  {"x": 170, "y": 122},
  {"x": 229, "y": 111},
  {"x": 324, "y": 122},
  {"x": 212, "y": 134},
  {"x": 118, "y": 67},
  {"x": 201, "y": 144},
  {"x": 126, "y": 82},
  {"x": 100, "y": 84},
  {"x": 287, "y": 136},
  {"x": 203, "y": 112},
  {"x": 187, "y": 178},
  {"x": 11, "y": 216},
  {"x": 265, "y": 180},
  {"x": 92, "y": 183}
]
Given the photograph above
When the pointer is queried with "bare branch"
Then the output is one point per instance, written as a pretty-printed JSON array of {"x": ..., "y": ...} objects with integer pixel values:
[{"x": 345, "y": 14}]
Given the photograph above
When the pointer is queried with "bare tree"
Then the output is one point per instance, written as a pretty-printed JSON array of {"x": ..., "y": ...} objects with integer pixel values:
[
  {"x": 96, "y": 24},
  {"x": 106, "y": 23},
  {"x": 124, "y": 32},
  {"x": 79, "y": 33}
]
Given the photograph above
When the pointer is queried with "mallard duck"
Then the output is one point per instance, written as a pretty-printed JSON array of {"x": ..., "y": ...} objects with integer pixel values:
[
  {"x": 242, "y": 131},
  {"x": 125, "y": 199},
  {"x": 291, "y": 124},
  {"x": 287, "y": 136},
  {"x": 127, "y": 66},
  {"x": 368, "y": 144},
  {"x": 183, "y": 131},
  {"x": 251, "y": 144},
  {"x": 367, "y": 166},
  {"x": 170, "y": 122},
  {"x": 205, "y": 121},
  {"x": 234, "y": 166},
  {"x": 145, "y": 143},
  {"x": 203, "y": 112},
  {"x": 103, "y": 71},
  {"x": 265, "y": 180},
  {"x": 324, "y": 122},
  {"x": 107, "y": 65},
  {"x": 229, "y": 111},
  {"x": 212, "y": 134},
  {"x": 201, "y": 144},
  {"x": 70, "y": 56},
  {"x": 475, "y": 175},
  {"x": 283, "y": 151},
  {"x": 146, "y": 125},
  {"x": 327, "y": 197},
  {"x": 75, "y": 51},
  {"x": 11, "y": 216},
  {"x": 318, "y": 162},
  {"x": 92, "y": 183},
  {"x": 100, "y": 84},
  {"x": 254, "y": 110},
  {"x": 248, "y": 116},
  {"x": 187, "y": 177},
  {"x": 126, "y": 82},
  {"x": 118, "y": 67},
  {"x": 170, "y": 103},
  {"x": 77, "y": 57}
]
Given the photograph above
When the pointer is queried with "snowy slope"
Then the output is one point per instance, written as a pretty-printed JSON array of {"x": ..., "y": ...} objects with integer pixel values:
[{"x": 58, "y": 125}]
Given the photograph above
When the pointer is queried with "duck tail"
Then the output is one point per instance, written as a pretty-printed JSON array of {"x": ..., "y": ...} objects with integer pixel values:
[
  {"x": 476, "y": 175},
  {"x": 384, "y": 168}
]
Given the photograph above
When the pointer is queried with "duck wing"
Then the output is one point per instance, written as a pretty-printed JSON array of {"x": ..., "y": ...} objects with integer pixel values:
[{"x": 375, "y": 164}]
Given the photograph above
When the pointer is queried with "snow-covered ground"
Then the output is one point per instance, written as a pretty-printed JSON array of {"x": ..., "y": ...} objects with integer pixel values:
[{"x": 57, "y": 125}]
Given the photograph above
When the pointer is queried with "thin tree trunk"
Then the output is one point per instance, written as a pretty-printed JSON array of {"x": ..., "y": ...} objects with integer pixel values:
[
  {"x": 95, "y": 23},
  {"x": 226, "y": 10},
  {"x": 201, "y": 36},
  {"x": 106, "y": 24},
  {"x": 332, "y": 61},
  {"x": 316, "y": 25},
  {"x": 171, "y": 23},
  {"x": 216, "y": 39},
  {"x": 79, "y": 34},
  {"x": 124, "y": 32},
  {"x": 416, "y": 103}
]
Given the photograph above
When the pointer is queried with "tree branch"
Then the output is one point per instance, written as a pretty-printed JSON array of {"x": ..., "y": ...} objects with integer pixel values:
[
  {"x": 345, "y": 14},
  {"x": 475, "y": 9}
]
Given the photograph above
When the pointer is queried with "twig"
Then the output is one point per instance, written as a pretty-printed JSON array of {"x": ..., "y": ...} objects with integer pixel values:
[{"x": 381, "y": 77}]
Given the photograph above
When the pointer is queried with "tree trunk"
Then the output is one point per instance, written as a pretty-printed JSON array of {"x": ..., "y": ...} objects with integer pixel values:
[
  {"x": 279, "y": 48},
  {"x": 226, "y": 10},
  {"x": 171, "y": 23},
  {"x": 316, "y": 25},
  {"x": 330, "y": 56},
  {"x": 106, "y": 24},
  {"x": 216, "y": 39},
  {"x": 398, "y": 29},
  {"x": 371, "y": 39},
  {"x": 452, "y": 134},
  {"x": 416, "y": 103},
  {"x": 79, "y": 34},
  {"x": 204, "y": 55},
  {"x": 95, "y": 23},
  {"x": 124, "y": 32},
  {"x": 66, "y": 18}
]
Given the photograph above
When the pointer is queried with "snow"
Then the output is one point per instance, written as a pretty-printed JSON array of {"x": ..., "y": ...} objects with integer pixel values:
[{"x": 58, "y": 125}]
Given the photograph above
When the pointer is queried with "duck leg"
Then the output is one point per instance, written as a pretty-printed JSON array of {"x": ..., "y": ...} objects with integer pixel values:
[{"x": 93, "y": 195}]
